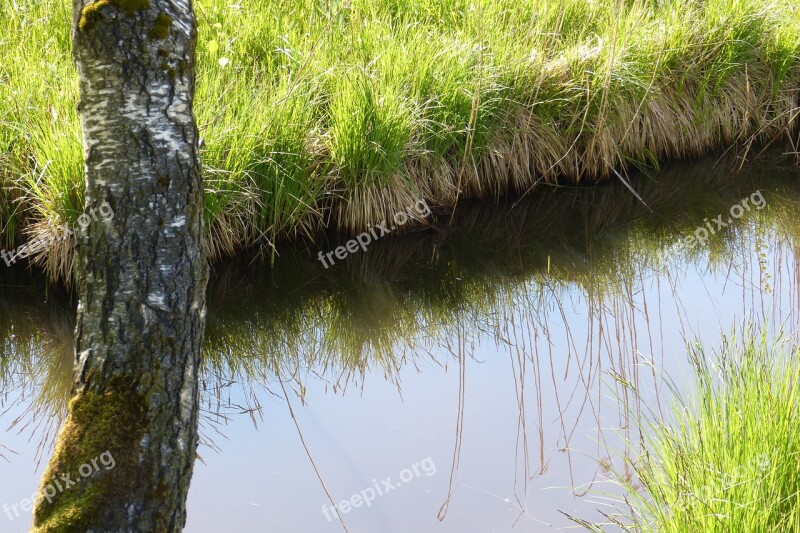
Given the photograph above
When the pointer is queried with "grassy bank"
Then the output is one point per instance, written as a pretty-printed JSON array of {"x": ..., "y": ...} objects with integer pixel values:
[
  {"x": 727, "y": 458},
  {"x": 336, "y": 114}
]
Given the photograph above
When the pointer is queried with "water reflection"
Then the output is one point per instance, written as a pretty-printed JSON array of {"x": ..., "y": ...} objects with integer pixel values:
[{"x": 495, "y": 342}]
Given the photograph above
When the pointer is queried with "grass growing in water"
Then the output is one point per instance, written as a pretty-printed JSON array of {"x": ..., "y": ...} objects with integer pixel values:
[
  {"x": 728, "y": 459},
  {"x": 327, "y": 113}
]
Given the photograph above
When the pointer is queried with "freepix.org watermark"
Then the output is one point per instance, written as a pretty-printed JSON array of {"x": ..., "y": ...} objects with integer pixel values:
[
  {"x": 379, "y": 488},
  {"x": 61, "y": 483},
  {"x": 726, "y": 481},
  {"x": 104, "y": 212},
  {"x": 419, "y": 210},
  {"x": 702, "y": 233}
]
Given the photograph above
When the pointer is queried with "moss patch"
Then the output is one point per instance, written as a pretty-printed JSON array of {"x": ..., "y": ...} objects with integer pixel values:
[
  {"x": 130, "y": 7},
  {"x": 92, "y": 14},
  {"x": 161, "y": 27},
  {"x": 97, "y": 423},
  {"x": 172, "y": 74}
]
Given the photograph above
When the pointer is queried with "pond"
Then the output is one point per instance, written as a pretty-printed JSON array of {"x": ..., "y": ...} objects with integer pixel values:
[{"x": 489, "y": 373}]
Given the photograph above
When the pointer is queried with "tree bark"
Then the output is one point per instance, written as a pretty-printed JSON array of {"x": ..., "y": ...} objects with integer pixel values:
[{"x": 141, "y": 276}]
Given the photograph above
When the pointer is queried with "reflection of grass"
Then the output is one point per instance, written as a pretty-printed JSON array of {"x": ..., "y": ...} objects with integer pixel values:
[
  {"x": 729, "y": 459},
  {"x": 406, "y": 291},
  {"x": 318, "y": 111},
  {"x": 496, "y": 271},
  {"x": 36, "y": 354}
]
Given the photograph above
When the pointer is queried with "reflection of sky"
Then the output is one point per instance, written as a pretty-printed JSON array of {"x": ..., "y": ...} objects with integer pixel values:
[
  {"x": 553, "y": 353},
  {"x": 264, "y": 477}
]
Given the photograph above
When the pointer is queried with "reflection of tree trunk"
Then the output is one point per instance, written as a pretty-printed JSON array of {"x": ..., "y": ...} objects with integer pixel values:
[{"x": 141, "y": 276}]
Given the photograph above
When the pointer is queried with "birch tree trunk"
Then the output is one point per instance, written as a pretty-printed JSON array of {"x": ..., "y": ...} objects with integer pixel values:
[{"x": 141, "y": 276}]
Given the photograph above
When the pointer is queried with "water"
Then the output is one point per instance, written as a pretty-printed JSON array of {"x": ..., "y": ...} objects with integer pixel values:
[{"x": 476, "y": 376}]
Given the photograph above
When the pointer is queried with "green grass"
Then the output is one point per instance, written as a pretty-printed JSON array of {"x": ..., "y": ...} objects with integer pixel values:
[
  {"x": 336, "y": 114},
  {"x": 728, "y": 456}
]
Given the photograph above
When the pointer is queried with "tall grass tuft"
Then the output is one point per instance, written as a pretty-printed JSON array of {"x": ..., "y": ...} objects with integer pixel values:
[{"x": 728, "y": 457}]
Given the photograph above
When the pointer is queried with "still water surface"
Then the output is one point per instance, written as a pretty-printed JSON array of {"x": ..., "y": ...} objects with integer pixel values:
[{"x": 476, "y": 376}]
